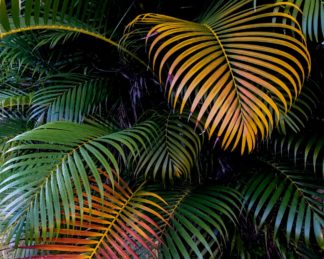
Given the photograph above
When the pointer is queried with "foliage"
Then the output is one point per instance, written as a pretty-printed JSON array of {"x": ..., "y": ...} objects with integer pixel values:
[
  {"x": 97, "y": 163},
  {"x": 216, "y": 62}
]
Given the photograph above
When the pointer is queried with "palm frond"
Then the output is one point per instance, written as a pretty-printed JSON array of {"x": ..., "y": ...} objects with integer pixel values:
[
  {"x": 204, "y": 213},
  {"x": 302, "y": 147},
  {"x": 312, "y": 18},
  {"x": 235, "y": 59},
  {"x": 289, "y": 197},
  {"x": 83, "y": 16},
  {"x": 68, "y": 97},
  {"x": 18, "y": 56},
  {"x": 122, "y": 225},
  {"x": 172, "y": 153},
  {"x": 302, "y": 110},
  {"x": 48, "y": 162},
  {"x": 14, "y": 98}
]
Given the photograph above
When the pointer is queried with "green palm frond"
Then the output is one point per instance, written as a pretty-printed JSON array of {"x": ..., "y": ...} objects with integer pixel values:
[
  {"x": 48, "y": 162},
  {"x": 301, "y": 147},
  {"x": 172, "y": 153},
  {"x": 82, "y": 16},
  {"x": 312, "y": 18},
  {"x": 198, "y": 220},
  {"x": 55, "y": 38},
  {"x": 235, "y": 59},
  {"x": 19, "y": 56},
  {"x": 122, "y": 226},
  {"x": 14, "y": 98},
  {"x": 68, "y": 97},
  {"x": 290, "y": 198},
  {"x": 9, "y": 128}
]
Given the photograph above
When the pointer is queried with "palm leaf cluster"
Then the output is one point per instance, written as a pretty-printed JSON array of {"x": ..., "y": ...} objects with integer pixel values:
[
  {"x": 118, "y": 225},
  {"x": 300, "y": 210},
  {"x": 97, "y": 163},
  {"x": 217, "y": 66}
]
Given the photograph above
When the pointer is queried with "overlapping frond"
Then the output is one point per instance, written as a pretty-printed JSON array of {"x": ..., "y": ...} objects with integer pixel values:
[
  {"x": 308, "y": 149},
  {"x": 231, "y": 64},
  {"x": 292, "y": 197},
  {"x": 312, "y": 17},
  {"x": 172, "y": 153},
  {"x": 302, "y": 110},
  {"x": 198, "y": 220},
  {"x": 49, "y": 162},
  {"x": 82, "y": 16},
  {"x": 68, "y": 97},
  {"x": 123, "y": 225}
]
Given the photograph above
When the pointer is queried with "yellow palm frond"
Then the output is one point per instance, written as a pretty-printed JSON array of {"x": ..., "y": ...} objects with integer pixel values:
[{"x": 234, "y": 67}]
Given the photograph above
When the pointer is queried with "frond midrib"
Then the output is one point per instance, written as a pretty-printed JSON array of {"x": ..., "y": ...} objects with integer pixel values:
[
  {"x": 287, "y": 176},
  {"x": 72, "y": 29},
  {"x": 52, "y": 172},
  {"x": 173, "y": 211},
  {"x": 104, "y": 235}
]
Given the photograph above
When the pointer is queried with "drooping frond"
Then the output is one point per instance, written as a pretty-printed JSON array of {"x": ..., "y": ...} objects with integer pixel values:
[
  {"x": 293, "y": 198},
  {"x": 68, "y": 97},
  {"x": 49, "y": 162},
  {"x": 198, "y": 220},
  {"x": 231, "y": 64},
  {"x": 172, "y": 153},
  {"x": 123, "y": 225},
  {"x": 82, "y": 16}
]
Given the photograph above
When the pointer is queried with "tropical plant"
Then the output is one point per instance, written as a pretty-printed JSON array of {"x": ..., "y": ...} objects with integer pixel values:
[{"x": 97, "y": 163}]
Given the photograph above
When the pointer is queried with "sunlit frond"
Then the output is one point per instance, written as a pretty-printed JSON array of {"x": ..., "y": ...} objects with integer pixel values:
[
  {"x": 121, "y": 226},
  {"x": 232, "y": 63}
]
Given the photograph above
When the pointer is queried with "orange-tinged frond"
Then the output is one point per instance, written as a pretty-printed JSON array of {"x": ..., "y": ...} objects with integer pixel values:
[
  {"x": 115, "y": 227},
  {"x": 235, "y": 67}
]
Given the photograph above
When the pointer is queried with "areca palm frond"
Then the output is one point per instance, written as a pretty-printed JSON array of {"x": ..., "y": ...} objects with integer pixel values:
[
  {"x": 172, "y": 153},
  {"x": 123, "y": 225},
  {"x": 49, "y": 162},
  {"x": 309, "y": 149},
  {"x": 19, "y": 56},
  {"x": 68, "y": 97},
  {"x": 291, "y": 197},
  {"x": 234, "y": 60},
  {"x": 204, "y": 212},
  {"x": 83, "y": 16},
  {"x": 312, "y": 17}
]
